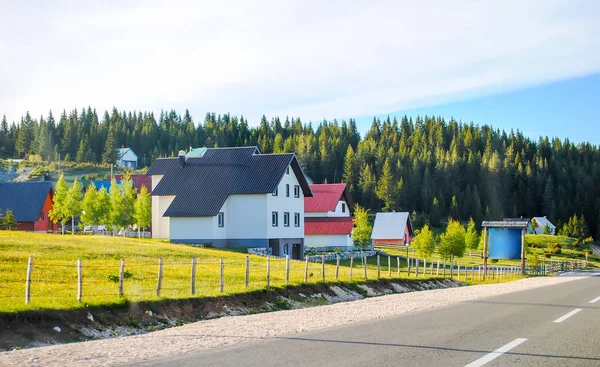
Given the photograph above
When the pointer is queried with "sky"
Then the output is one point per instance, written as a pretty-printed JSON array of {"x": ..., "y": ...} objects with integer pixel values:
[{"x": 514, "y": 64}]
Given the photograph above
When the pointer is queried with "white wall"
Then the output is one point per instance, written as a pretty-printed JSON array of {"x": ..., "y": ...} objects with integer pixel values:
[
  {"x": 160, "y": 224},
  {"x": 189, "y": 228},
  {"x": 282, "y": 204},
  {"x": 336, "y": 213},
  {"x": 245, "y": 217},
  {"x": 327, "y": 240},
  {"x": 155, "y": 180}
]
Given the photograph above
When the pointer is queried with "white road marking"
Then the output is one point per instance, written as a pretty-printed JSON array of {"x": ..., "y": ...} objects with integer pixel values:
[
  {"x": 563, "y": 318},
  {"x": 595, "y": 300},
  {"x": 497, "y": 353}
]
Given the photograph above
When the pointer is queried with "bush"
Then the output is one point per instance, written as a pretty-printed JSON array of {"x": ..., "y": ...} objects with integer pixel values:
[
  {"x": 547, "y": 255},
  {"x": 493, "y": 261},
  {"x": 115, "y": 277},
  {"x": 555, "y": 248}
]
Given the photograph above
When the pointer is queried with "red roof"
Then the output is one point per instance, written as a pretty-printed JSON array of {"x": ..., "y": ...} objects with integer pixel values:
[
  {"x": 331, "y": 225},
  {"x": 325, "y": 197},
  {"x": 139, "y": 181}
]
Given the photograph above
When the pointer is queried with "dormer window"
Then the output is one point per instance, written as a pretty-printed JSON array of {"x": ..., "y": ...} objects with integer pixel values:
[{"x": 343, "y": 207}]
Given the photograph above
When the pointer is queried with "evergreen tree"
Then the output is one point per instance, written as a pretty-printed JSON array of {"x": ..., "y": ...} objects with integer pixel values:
[
  {"x": 435, "y": 214},
  {"x": 83, "y": 152},
  {"x": 8, "y": 222},
  {"x": 385, "y": 189},
  {"x": 454, "y": 210},
  {"x": 110, "y": 148},
  {"x": 25, "y": 137},
  {"x": 349, "y": 166}
]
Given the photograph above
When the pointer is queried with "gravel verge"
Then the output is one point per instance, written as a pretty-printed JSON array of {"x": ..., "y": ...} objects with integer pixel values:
[{"x": 235, "y": 330}]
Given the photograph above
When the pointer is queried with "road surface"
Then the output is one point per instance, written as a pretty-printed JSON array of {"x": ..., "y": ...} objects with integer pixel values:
[{"x": 556, "y": 325}]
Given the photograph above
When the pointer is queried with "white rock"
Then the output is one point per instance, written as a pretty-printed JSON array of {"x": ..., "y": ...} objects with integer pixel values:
[
  {"x": 90, "y": 317},
  {"x": 57, "y": 329}
]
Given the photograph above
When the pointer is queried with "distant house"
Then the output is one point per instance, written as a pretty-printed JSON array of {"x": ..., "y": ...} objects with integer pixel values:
[
  {"x": 30, "y": 203},
  {"x": 231, "y": 197},
  {"x": 392, "y": 229},
  {"x": 328, "y": 216},
  {"x": 127, "y": 158},
  {"x": 541, "y": 225},
  {"x": 139, "y": 181}
]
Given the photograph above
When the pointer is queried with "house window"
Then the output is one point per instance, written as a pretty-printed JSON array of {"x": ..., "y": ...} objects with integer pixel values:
[
  {"x": 287, "y": 171},
  {"x": 296, "y": 191},
  {"x": 343, "y": 207},
  {"x": 286, "y": 219},
  {"x": 296, "y": 219},
  {"x": 274, "y": 219},
  {"x": 287, "y": 190},
  {"x": 276, "y": 192},
  {"x": 221, "y": 219},
  {"x": 286, "y": 249}
]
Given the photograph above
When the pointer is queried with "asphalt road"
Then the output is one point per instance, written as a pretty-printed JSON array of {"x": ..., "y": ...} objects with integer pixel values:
[{"x": 549, "y": 326}]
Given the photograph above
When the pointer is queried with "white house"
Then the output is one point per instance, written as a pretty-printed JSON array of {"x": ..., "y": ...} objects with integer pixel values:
[
  {"x": 328, "y": 216},
  {"x": 392, "y": 229},
  {"x": 541, "y": 224},
  {"x": 126, "y": 158},
  {"x": 231, "y": 197}
]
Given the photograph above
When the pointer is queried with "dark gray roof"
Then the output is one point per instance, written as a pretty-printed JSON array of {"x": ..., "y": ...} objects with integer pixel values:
[
  {"x": 506, "y": 224},
  {"x": 203, "y": 184},
  {"x": 24, "y": 199}
]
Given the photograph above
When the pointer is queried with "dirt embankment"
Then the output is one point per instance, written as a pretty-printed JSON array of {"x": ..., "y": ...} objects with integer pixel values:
[{"x": 39, "y": 328}]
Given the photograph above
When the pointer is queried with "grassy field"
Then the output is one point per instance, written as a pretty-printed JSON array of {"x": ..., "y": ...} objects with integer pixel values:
[
  {"x": 54, "y": 272},
  {"x": 535, "y": 244}
]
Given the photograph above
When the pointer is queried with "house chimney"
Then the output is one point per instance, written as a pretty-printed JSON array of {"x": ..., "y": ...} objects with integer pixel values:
[{"x": 181, "y": 159}]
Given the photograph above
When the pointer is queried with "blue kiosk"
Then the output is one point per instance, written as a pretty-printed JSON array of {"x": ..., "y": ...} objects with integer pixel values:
[{"x": 504, "y": 240}]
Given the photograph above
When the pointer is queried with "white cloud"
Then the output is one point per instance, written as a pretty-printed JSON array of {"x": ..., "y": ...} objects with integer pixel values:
[{"x": 312, "y": 59}]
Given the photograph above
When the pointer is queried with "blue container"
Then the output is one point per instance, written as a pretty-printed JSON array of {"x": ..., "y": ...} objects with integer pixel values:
[{"x": 504, "y": 243}]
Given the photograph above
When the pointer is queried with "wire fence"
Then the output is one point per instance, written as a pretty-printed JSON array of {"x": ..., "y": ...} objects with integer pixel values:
[{"x": 67, "y": 284}]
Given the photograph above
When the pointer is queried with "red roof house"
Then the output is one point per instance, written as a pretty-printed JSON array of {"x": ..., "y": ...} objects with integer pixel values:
[{"x": 328, "y": 218}]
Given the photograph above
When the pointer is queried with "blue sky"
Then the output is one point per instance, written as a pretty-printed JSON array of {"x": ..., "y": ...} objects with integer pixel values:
[
  {"x": 511, "y": 63},
  {"x": 566, "y": 109}
]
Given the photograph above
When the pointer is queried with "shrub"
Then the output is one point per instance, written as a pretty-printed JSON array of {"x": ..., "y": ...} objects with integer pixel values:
[
  {"x": 547, "y": 255},
  {"x": 115, "y": 277},
  {"x": 494, "y": 260}
]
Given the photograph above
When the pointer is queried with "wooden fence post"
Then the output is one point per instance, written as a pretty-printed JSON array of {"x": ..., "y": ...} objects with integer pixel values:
[
  {"x": 193, "y": 280},
  {"x": 472, "y": 273},
  {"x": 247, "y": 277},
  {"x": 268, "y": 271},
  {"x": 408, "y": 266},
  {"x": 79, "y": 281},
  {"x": 337, "y": 267},
  {"x": 389, "y": 266},
  {"x": 444, "y": 268},
  {"x": 398, "y": 260},
  {"x": 378, "y": 267},
  {"x": 437, "y": 273},
  {"x": 287, "y": 269},
  {"x": 351, "y": 265},
  {"x": 365, "y": 266},
  {"x": 431, "y": 269},
  {"x": 458, "y": 270},
  {"x": 306, "y": 270},
  {"x": 121, "y": 276},
  {"x": 479, "y": 271},
  {"x": 416, "y": 267},
  {"x": 160, "y": 274},
  {"x": 28, "y": 281},
  {"x": 222, "y": 275},
  {"x": 323, "y": 267},
  {"x": 425, "y": 267}
]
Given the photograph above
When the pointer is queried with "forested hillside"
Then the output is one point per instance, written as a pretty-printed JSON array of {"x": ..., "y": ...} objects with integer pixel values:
[{"x": 434, "y": 167}]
